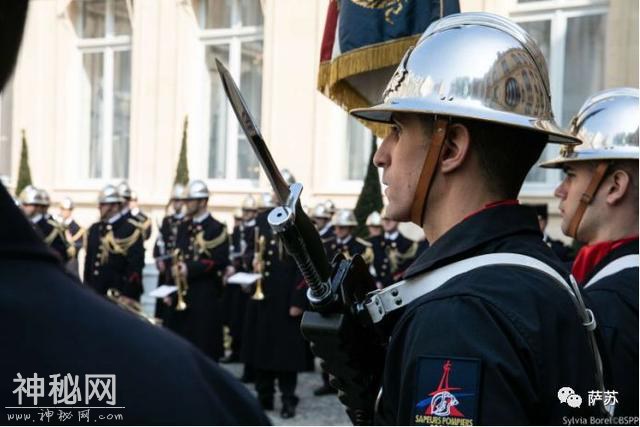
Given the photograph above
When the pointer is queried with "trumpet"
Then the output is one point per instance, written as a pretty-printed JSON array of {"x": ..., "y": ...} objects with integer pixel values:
[
  {"x": 258, "y": 295},
  {"x": 179, "y": 279},
  {"x": 131, "y": 306}
]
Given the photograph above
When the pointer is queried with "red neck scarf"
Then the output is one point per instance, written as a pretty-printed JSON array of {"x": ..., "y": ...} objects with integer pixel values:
[{"x": 591, "y": 255}]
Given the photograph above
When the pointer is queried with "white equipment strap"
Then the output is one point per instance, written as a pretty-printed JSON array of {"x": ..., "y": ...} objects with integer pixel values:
[
  {"x": 380, "y": 303},
  {"x": 615, "y": 266},
  {"x": 404, "y": 292}
]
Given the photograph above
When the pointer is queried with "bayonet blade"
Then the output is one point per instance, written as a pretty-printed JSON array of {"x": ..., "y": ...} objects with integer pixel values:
[{"x": 252, "y": 132}]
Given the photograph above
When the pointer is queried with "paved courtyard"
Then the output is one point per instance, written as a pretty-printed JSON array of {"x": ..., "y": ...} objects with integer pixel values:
[{"x": 312, "y": 410}]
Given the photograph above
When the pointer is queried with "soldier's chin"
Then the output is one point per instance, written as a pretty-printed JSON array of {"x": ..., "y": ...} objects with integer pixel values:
[{"x": 398, "y": 213}]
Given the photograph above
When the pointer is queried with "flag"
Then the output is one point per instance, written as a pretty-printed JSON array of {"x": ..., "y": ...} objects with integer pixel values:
[{"x": 364, "y": 41}]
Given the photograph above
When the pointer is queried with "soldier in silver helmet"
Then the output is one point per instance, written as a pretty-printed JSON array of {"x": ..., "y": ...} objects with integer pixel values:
[
  {"x": 35, "y": 205},
  {"x": 114, "y": 249},
  {"x": 346, "y": 242},
  {"x": 599, "y": 207},
  {"x": 165, "y": 244},
  {"x": 130, "y": 208},
  {"x": 374, "y": 224},
  {"x": 469, "y": 109},
  {"x": 202, "y": 260},
  {"x": 74, "y": 233}
]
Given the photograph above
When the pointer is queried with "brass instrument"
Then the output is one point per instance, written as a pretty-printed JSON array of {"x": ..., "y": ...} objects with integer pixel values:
[
  {"x": 259, "y": 243},
  {"x": 131, "y": 306},
  {"x": 179, "y": 279}
]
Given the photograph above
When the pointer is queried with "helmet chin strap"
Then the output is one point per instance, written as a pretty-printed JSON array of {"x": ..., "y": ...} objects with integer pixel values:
[
  {"x": 428, "y": 170},
  {"x": 586, "y": 198}
]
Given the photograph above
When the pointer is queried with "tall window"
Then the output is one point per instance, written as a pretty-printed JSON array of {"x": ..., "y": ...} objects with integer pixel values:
[
  {"x": 104, "y": 27},
  {"x": 571, "y": 35},
  {"x": 232, "y": 31},
  {"x": 6, "y": 110}
]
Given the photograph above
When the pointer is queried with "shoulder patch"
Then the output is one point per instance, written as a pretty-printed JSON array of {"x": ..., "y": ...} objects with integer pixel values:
[{"x": 447, "y": 391}]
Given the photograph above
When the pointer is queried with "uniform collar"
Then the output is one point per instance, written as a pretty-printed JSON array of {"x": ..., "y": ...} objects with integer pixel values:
[
  {"x": 178, "y": 215},
  {"x": 37, "y": 218},
  {"x": 465, "y": 238},
  {"x": 20, "y": 239},
  {"x": 593, "y": 258},
  {"x": 251, "y": 223},
  {"x": 324, "y": 230},
  {"x": 125, "y": 211},
  {"x": 344, "y": 241},
  {"x": 198, "y": 219},
  {"x": 391, "y": 236},
  {"x": 114, "y": 218}
]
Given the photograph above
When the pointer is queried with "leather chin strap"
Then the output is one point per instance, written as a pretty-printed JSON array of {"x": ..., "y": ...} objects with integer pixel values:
[
  {"x": 587, "y": 197},
  {"x": 428, "y": 171}
]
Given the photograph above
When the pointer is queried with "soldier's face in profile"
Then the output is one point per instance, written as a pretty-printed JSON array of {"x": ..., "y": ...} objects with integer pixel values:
[
  {"x": 194, "y": 206},
  {"x": 577, "y": 178},
  {"x": 65, "y": 213},
  {"x": 320, "y": 222},
  {"x": 30, "y": 210},
  {"x": 248, "y": 214},
  {"x": 401, "y": 156},
  {"x": 108, "y": 210},
  {"x": 389, "y": 225},
  {"x": 177, "y": 205},
  {"x": 342, "y": 232},
  {"x": 374, "y": 231}
]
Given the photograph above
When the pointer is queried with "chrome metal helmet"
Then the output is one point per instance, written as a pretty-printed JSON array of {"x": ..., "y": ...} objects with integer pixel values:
[
  {"x": 249, "y": 204},
  {"x": 177, "y": 192},
  {"x": 607, "y": 124},
  {"x": 473, "y": 65},
  {"x": 124, "y": 190},
  {"x": 288, "y": 176},
  {"x": 345, "y": 218},
  {"x": 67, "y": 204},
  {"x": 330, "y": 206},
  {"x": 320, "y": 211},
  {"x": 196, "y": 189},
  {"x": 31, "y": 195},
  {"x": 110, "y": 194},
  {"x": 374, "y": 219}
]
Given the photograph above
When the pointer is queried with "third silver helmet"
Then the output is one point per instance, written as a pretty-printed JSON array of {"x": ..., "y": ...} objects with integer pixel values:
[
  {"x": 249, "y": 203},
  {"x": 374, "y": 219},
  {"x": 31, "y": 195},
  {"x": 345, "y": 218},
  {"x": 196, "y": 189},
  {"x": 320, "y": 211},
  {"x": 177, "y": 192},
  {"x": 477, "y": 66},
  {"x": 110, "y": 194},
  {"x": 607, "y": 124},
  {"x": 124, "y": 190}
]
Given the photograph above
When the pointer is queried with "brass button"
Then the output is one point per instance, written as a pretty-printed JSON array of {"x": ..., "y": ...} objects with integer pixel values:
[
  {"x": 268, "y": 263},
  {"x": 270, "y": 252},
  {"x": 266, "y": 274},
  {"x": 95, "y": 272}
]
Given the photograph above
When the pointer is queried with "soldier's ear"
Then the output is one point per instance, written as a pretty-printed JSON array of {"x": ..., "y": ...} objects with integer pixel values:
[
  {"x": 617, "y": 186},
  {"x": 456, "y": 147}
]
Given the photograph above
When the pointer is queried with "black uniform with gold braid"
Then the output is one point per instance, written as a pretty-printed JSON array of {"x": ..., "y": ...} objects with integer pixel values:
[
  {"x": 53, "y": 234},
  {"x": 115, "y": 257},
  {"x": 204, "y": 247},
  {"x": 393, "y": 254}
]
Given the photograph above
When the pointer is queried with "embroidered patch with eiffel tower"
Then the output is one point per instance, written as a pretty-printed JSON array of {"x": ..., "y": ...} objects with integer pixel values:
[{"x": 447, "y": 391}]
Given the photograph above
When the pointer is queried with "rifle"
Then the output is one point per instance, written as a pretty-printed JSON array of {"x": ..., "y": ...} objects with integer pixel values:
[{"x": 339, "y": 329}]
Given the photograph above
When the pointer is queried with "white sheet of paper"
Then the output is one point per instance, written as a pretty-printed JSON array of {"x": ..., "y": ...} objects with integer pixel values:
[
  {"x": 163, "y": 291},
  {"x": 243, "y": 279}
]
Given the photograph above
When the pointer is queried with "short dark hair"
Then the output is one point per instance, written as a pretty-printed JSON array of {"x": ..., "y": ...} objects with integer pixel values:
[
  {"x": 505, "y": 153},
  {"x": 12, "y": 18}
]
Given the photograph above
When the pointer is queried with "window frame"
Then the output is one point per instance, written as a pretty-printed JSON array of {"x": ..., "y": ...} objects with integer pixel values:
[
  {"x": 557, "y": 12},
  {"x": 233, "y": 37},
  {"x": 107, "y": 46}
]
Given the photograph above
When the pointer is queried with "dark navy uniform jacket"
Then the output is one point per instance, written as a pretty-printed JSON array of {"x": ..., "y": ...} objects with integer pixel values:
[
  {"x": 50, "y": 324},
  {"x": 76, "y": 234},
  {"x": 205, "y": 247},
  {"x": 392, "y": 255},
  {"x": 614, "y": 300},
  {"x": 493, "y": 345},
  {"x": 115, "y": 257},
  {"x": 53, "y": 234}
]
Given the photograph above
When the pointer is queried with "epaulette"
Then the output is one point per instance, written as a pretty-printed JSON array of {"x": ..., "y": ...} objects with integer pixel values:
[{"x": 203, "y": 245}]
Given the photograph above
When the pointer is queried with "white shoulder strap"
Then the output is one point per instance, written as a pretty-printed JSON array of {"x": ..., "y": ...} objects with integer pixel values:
[
  {"x": 402, "y": 293},
  {"x": 380, "y": 303},
  {"x": 615, "y": 266}
]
